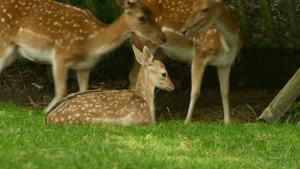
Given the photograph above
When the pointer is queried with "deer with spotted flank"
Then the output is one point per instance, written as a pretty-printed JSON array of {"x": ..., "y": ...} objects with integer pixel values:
[
  {"x": 124, "y": 107},
  {"x": 201, "y": 33},
  {"x": 67, "y": 37}
]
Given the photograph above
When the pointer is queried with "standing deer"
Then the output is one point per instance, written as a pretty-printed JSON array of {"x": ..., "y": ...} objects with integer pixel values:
[
  {"x": 123, "y": 107},
  {"x": 66, "y": 37},
  {"x": 210, "y": 37}
]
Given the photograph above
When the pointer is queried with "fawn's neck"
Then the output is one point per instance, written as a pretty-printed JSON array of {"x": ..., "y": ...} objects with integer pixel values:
[
  {"x": 227, "y": 28},
  {"x": 145, "y": 88},
  {"x": 109, "y": 37}
]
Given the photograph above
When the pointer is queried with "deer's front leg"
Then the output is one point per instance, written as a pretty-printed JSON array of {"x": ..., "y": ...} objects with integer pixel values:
[
  {"x": 224, "y": 73},
  {"x": 83, "y": 79},
  {"x": 60, "y": 72},
  {"x": 198, "y": 67}
]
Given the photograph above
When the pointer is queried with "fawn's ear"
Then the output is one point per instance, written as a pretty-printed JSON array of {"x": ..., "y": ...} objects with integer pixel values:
[
  {"x": 143, "y": 58},
  {"x": 138, "y": 55},
  {"x": 148, "y": 57},
  {"x": 125, "y": 3},
  {"x": 132, "y": 1}
]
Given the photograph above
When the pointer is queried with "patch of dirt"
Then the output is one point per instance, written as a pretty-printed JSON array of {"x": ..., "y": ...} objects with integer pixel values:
[
  {"x": 28, "y": 85},
  {"x": 245, "y": 104}
]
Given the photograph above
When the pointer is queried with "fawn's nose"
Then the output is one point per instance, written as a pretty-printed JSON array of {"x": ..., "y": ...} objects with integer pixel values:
[
  {"x": 163, "y": 38},
  {"x": 184, "y": 32}
]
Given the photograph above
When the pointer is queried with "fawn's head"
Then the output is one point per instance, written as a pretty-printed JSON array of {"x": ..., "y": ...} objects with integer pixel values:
[
  {"x": 141, "y": 21},
  {"x": 156, "y": 70},
  {"x": 204, "y": 14}
]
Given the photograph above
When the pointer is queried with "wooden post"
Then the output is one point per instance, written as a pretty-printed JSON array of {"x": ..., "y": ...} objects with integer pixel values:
[{"x": 283, "y": 101}]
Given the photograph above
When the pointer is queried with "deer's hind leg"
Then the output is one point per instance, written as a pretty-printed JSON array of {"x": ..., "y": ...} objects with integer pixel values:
[
  {"x": 224, "y": 73},
  {"x": 83, "y": 79},
  {"x": 8, "y": 55},
  {"x": 60, "y": 73}
]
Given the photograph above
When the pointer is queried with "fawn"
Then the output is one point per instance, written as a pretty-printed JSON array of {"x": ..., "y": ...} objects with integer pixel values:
[
  {"x": 201, "y": 33},
  {"x": 66, "y": 37},
  {"x": 124, "y": 107}
]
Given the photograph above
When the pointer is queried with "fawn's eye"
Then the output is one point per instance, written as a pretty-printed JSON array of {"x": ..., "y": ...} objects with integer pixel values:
[
  {"x": 142, "y": 19},
  {"x": 205, "y": 10},
  {"x": 164, "y": 74}
]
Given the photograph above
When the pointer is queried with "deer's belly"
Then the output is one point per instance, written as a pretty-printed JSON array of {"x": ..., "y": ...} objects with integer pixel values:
[
  {"x": 86, "y": 64},
  {"x": 223, "y": 58},
  {"x": 126, "y": 120},
  {"x": 181, "y": 54},
  {"x": 36, "y": 55}
]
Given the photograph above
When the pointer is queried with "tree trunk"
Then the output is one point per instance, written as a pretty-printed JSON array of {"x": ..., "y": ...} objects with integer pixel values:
[{"x": 283, "y": 101}]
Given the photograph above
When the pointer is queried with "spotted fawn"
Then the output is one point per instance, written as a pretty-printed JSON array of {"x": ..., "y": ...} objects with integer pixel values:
[{"x": 124, "y": 107}]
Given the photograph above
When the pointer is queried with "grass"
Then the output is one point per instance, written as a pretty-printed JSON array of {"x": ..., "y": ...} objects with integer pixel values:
[
  {"x": 25, "y": 142},
  {"x": 294, "y": 113}
]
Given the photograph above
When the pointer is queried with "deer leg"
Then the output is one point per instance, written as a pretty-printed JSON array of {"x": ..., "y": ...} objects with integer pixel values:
[
  {"x": 60, "y": 73},
  {"x": 83, "y": 79},
  {"x": 198, "y": 67},
  {"x": 224, "y": 72},
  {"x": 7, "y": 57}
]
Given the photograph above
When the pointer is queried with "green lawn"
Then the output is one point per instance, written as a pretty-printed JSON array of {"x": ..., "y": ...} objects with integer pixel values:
[{"x": 26, "y": 142}]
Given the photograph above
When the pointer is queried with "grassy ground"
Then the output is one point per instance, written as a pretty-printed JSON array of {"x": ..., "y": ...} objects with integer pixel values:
[{"x": 25, "y": 142}]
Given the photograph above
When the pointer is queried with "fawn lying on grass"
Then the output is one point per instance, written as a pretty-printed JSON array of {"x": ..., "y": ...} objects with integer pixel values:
[{"x": 123, "y": 107}]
